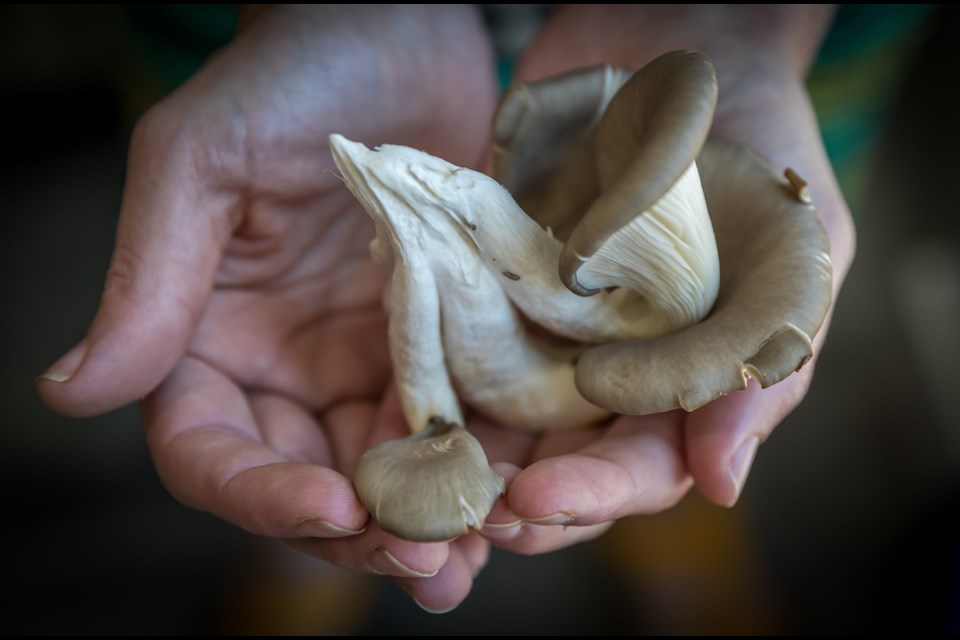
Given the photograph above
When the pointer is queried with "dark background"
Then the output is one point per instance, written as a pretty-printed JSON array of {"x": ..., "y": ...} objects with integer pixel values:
[{"x": 849, "y": 523}]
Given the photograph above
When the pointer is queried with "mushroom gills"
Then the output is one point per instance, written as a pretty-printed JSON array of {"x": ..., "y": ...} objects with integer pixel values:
[{"x": 775, "y": 290}]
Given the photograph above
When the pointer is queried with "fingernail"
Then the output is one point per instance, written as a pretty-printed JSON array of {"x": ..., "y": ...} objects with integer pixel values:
[
  {"x": 557, "y": 518},
  {"x": 434, "y": 611},
  {"x": 740, "y": 465},
  {"x": 64, "y": 368},
  {"x": 507, "y": 531},
  {"x": 386, "y": 564},
  {"x": 322, "y": 529}
]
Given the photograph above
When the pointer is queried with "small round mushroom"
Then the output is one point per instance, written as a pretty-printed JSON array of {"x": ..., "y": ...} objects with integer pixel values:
[{"x": 431, "y": 486}]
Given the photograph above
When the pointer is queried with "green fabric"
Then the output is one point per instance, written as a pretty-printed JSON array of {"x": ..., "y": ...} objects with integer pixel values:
[{"x": 856, "y": 80}]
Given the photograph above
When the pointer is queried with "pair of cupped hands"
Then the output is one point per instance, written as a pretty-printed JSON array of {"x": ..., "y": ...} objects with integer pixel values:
[{"x": 243, "y": 309}]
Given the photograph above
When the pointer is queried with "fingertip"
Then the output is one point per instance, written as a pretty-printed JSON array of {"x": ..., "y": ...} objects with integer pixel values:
[
  {"x": 571, "y": 489},
  {"x": 52, "y": 384},
  {"x": 383, "y": 562},
  {"x": 723, "y": 482},
  {"x": 723, "y": 438},
  {"x": 501, "y": 522},
  {"x": 739, "y": 465},
  {"x": 375, "y": 551},
  {"x": 118, "y": 364},
  {"x": 291, "y": 499},
  {"x": 445, "y": 591},
  {"x": 507, "y": 471},
  {"x": 85, "y": 382},
  {"x": 64, "y": 368}
]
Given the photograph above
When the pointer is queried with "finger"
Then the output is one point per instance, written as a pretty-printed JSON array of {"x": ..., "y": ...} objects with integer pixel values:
[
  {"x": 171, "y": 230},
  {"x": 207, "y": 450},
  {"x": 444, "y": 591},
  {"x": 722, "y": 437},
  {"x": 377, "y": 552},
  {"x": 509, "y": 531},
  {"x": 528, "y": 538},
  {"x": 288, "y": 429},
  {"x": 475, "y": 550},
  {"x": 373, "y": 551},
  {"x": 637, "y": 467}
]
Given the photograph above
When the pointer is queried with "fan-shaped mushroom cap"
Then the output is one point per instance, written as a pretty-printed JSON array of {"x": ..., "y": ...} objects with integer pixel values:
[
  {"x": 775, "y": 290},
  {"x": 615, "y": 169}
]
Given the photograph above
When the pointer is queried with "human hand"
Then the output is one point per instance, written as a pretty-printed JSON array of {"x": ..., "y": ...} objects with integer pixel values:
[
  {"x": 241, "y": 302},
  {"x": 645, "y": 464}
]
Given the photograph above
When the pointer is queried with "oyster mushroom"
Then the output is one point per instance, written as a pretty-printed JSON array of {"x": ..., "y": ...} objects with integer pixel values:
[
  {"x": 774, "y": 260},
  {"x": 625, "y": 157},
  {"x": 774, "y": 294},
  {"x": 639, "y": 270},
  {"x": 452, "y": 324}
]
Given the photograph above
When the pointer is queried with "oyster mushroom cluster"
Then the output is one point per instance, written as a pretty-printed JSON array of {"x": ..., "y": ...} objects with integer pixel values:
[{"x": 617, "y": 262}]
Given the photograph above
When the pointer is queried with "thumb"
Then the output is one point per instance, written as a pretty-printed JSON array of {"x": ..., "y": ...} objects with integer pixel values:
[{"x": 169, "y": 241}]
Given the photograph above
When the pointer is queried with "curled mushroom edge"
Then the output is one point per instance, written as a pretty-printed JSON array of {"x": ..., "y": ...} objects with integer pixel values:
[{"x": 605, "y": 269}]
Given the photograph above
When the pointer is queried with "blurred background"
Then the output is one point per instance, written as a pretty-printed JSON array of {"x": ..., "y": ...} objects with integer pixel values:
[{"x": 850, "y": 522}]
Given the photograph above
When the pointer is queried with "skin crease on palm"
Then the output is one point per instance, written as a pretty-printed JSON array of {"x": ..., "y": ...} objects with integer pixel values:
[{"x": 243, "y": 306}]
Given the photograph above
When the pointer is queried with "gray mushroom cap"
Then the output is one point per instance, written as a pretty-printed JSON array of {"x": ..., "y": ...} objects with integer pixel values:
[
  {"x": 430, "y": 486},
  {"x": 775, "y": 290},
  {"x": 775, "y": 274},
  {"x": 584, "y": 139}
]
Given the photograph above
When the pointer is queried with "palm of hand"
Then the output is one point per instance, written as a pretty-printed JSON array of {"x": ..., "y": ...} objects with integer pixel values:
[
  {"x": 292, "y": 338},
  {"x": 285, "y": 378}
]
